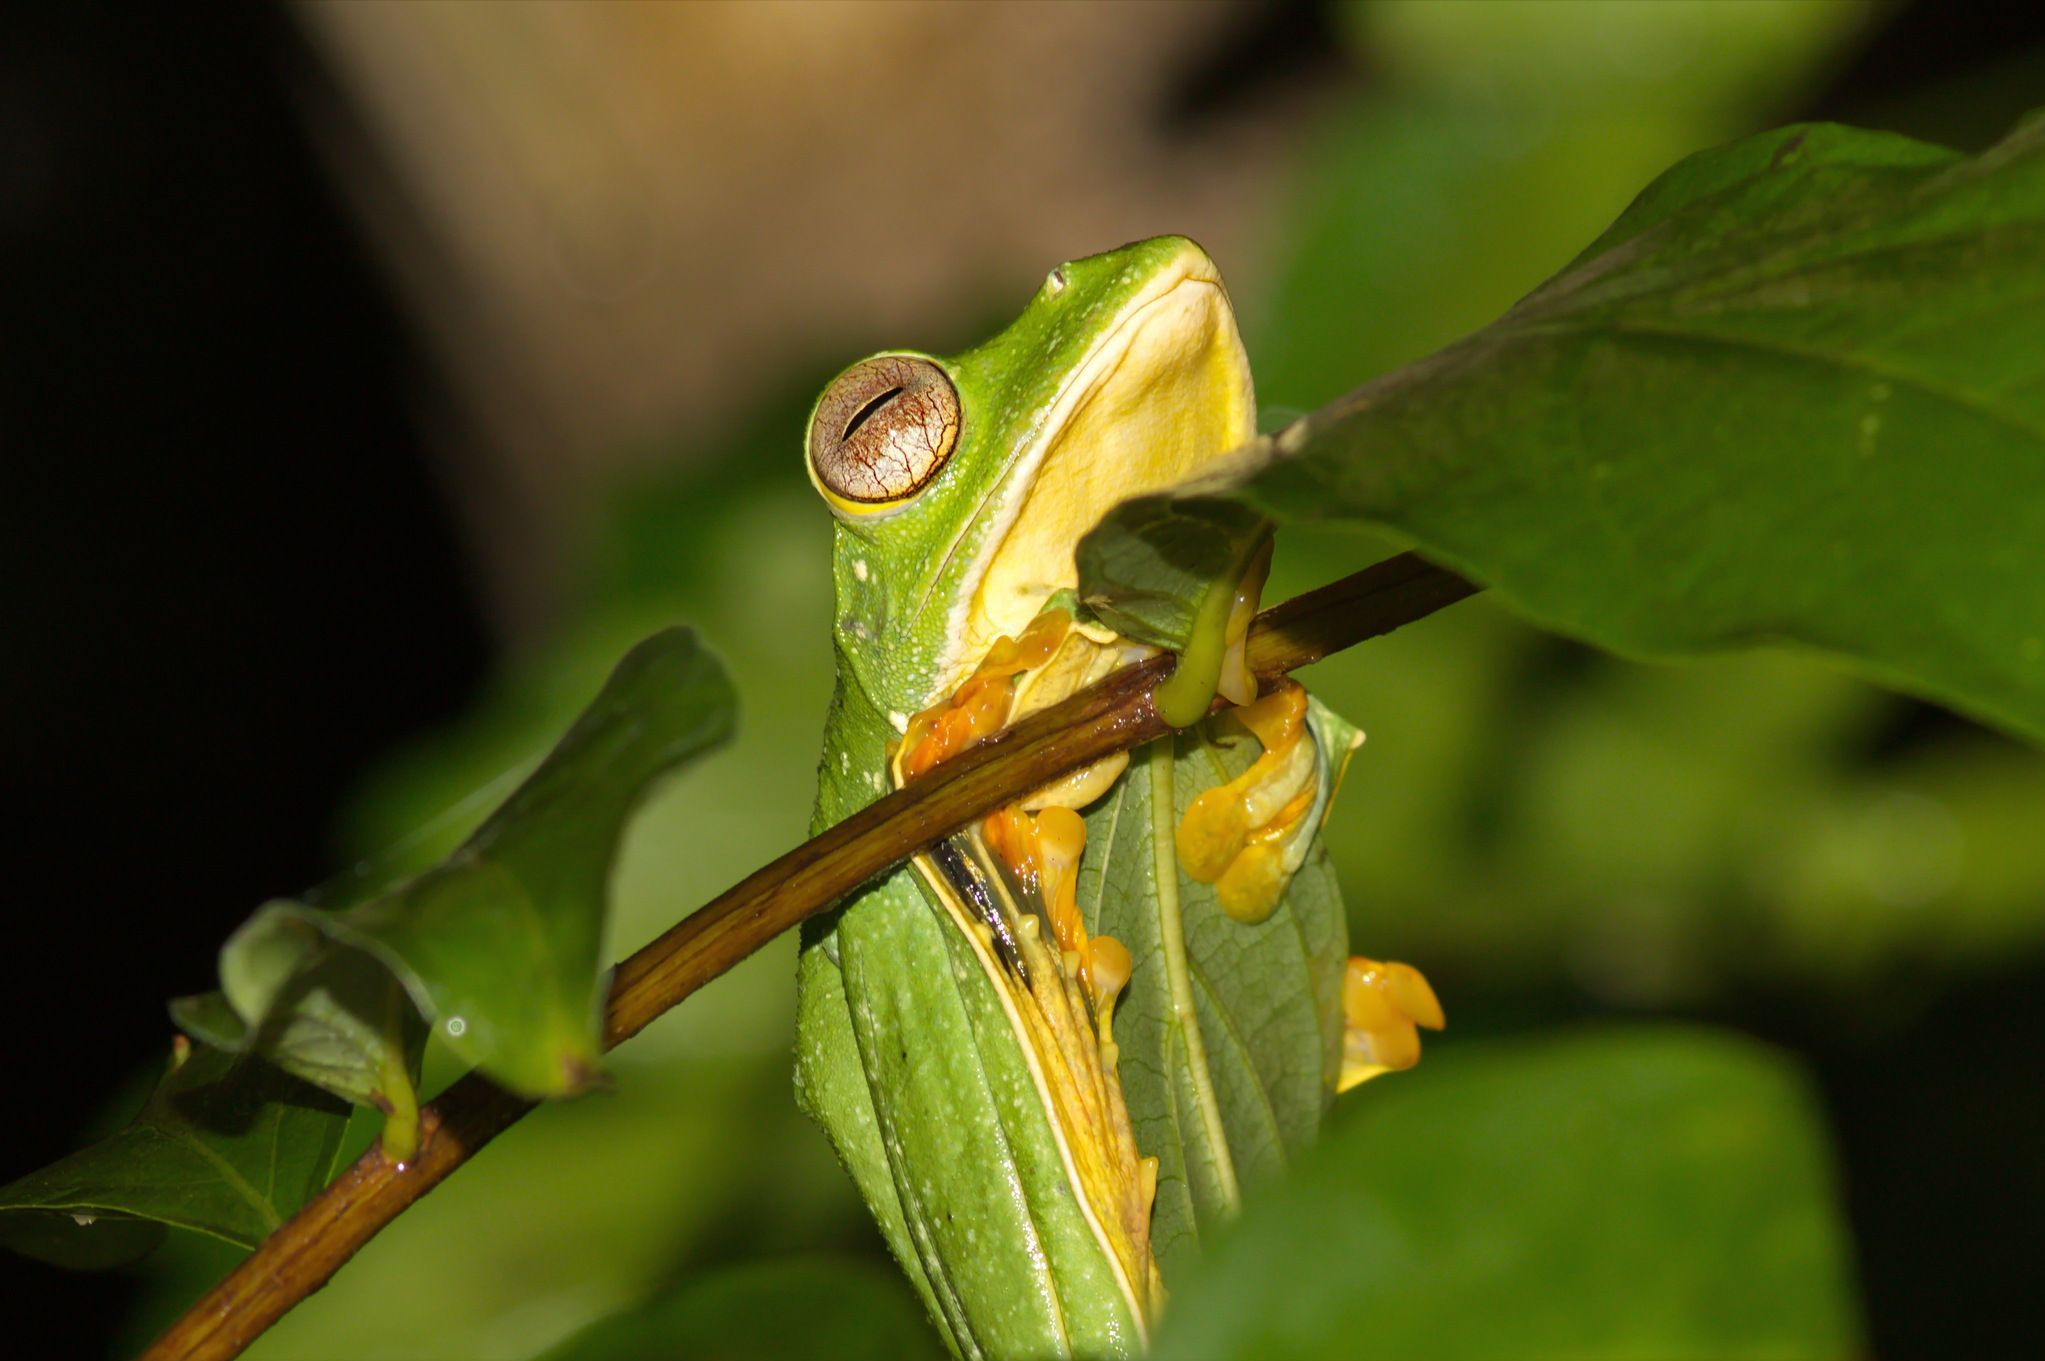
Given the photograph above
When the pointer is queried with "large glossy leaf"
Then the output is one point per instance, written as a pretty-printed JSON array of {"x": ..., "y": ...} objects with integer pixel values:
[
  {"x": 1233, "y": 1099},
  {"x": 1796, "y": 393},
  {"x": 499, "y": 943},
  {"x": 227, "y": 1146},
  {"x": 1621, "y": 1193},
  {"x": 794, "y": 1309}
]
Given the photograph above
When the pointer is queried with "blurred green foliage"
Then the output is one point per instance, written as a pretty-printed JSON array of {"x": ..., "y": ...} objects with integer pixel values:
[
  {"x": 1498, "y": 140},
  {"x": 1620, "y": 1192},
  {"x": 799, "y": 1308},
  {"x": 1528, "y": 819}
]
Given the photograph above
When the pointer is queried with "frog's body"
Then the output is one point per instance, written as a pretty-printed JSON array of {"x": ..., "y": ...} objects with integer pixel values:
[{"x": 955, "y": 1016}]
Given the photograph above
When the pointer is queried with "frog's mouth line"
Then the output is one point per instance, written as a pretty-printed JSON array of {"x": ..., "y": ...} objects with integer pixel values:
[{"x": 1164, "y": 393}]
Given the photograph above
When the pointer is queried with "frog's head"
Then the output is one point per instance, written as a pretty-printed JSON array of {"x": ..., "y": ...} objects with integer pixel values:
[{"x": 961, "y": 485}]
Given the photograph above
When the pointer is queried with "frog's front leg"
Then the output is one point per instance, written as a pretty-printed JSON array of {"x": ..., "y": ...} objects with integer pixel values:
[{"x": 1248, "y": 837}]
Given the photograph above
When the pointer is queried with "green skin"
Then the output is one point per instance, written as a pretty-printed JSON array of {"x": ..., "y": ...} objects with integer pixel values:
[{"x": 904, "y": 1054}]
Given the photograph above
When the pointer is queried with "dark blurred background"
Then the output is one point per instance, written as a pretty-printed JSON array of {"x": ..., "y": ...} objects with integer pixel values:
[{"x": 373, "y": 374}]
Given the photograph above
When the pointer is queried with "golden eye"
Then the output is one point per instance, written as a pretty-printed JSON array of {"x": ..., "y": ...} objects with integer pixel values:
[{"x": 883, "y": 429}]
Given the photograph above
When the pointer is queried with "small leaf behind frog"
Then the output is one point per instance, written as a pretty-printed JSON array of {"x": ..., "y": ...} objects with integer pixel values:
[
  {"x": 1235, "y": 1102},
  {"x": 227, "y": 1146}
]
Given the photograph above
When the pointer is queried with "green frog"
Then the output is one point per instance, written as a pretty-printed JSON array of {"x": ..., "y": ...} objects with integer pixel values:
[{"x": 956, "y": 1034}]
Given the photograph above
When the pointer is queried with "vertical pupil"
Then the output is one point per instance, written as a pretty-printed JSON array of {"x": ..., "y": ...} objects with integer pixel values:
[{"x": 866, "y": 413}]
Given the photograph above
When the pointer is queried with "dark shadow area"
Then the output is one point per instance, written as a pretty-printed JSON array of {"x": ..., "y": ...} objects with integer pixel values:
[
  {"x": 1269, "y": 49},
  {"x": 228, "y": 577}
]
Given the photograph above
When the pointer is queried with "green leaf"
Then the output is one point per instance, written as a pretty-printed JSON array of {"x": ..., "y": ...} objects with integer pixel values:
[
  {"x": 226, "y": 1146},
  {"x": 1795, "y": 394},
  {"x": 499, "y": 943},
  {"x": 1628, "y": 1192},
  {"x": 1148, "y": 582},
  {"x": 791, "y": 1309},
  {"x": 327, "y": 1013},
  {"x": 1231, "y": 1101}
]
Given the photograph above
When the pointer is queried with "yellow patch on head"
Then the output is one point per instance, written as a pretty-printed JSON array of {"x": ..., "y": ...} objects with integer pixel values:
[{"x": 1165, "y": 393}]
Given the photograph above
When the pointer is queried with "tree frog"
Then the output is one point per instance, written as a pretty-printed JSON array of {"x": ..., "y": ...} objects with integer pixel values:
[{"x": 956, "y": 1034}]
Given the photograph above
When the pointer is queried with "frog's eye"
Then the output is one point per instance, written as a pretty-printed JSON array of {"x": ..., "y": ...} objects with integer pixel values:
[{"x": 883, "y": 429}]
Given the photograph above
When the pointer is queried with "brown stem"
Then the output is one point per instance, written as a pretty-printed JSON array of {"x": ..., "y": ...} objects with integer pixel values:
[{"x": 310, "y": 1247}]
